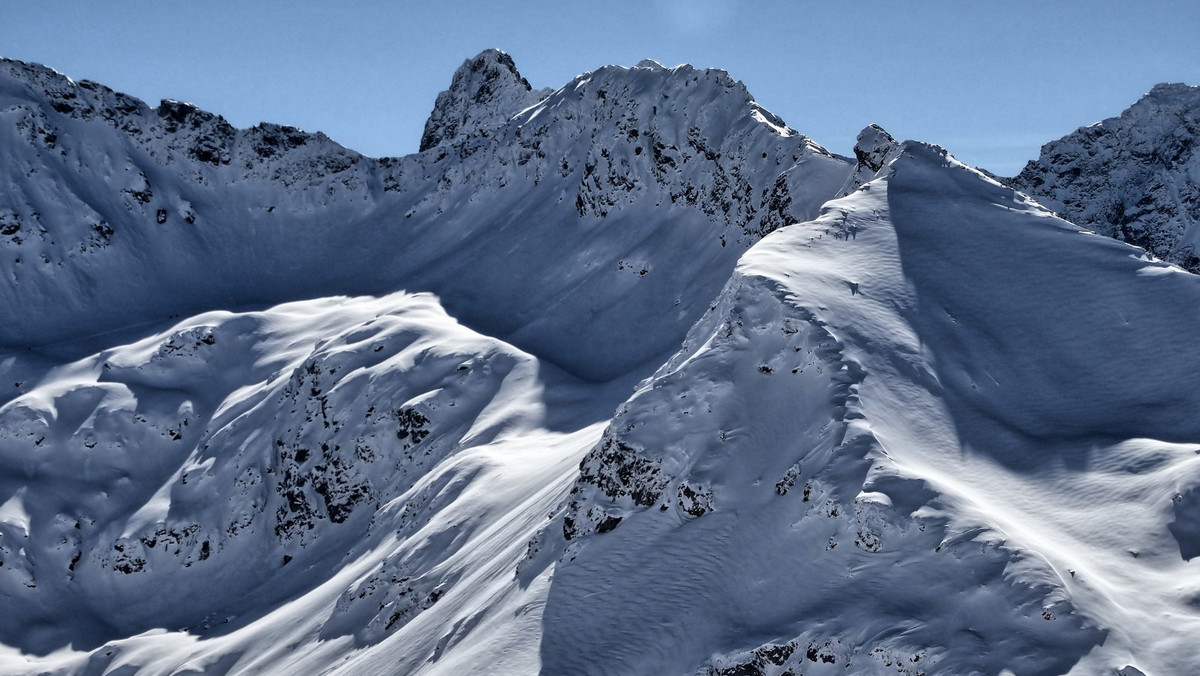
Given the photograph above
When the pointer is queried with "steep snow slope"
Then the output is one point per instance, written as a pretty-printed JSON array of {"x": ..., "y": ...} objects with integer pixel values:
[
  {"x": 321, "y": 479},
  {"x": 1135, "y": 177},
  {"x": 936, "y": 430},
  {"x": 623, "y": 198}
]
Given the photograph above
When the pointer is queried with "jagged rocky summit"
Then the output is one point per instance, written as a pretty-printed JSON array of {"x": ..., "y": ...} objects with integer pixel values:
[{"x": 1135, "y": 177}]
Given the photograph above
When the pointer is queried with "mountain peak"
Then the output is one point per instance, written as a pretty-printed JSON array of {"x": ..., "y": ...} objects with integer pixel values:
[
  {"x": 1174, "y": 93},
  {"x": 485, "y": 92},
  {"x": 874, "y": 147},
  {"x": 1135, "y": 177},
  {"x": 30, "y": 72},
  {"x": 874, "y": 150}
]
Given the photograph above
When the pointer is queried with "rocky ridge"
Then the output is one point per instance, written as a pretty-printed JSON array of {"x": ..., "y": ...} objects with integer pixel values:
[
  {"x": 256, "y": 209},
  {"x": 1134, "y": 177}
]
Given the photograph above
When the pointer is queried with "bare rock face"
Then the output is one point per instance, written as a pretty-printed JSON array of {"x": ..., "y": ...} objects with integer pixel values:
[
  {"x": 874, "y": 150},
  {"x": 486, "y": 91},
  {"x": 1135, "y": 177}
]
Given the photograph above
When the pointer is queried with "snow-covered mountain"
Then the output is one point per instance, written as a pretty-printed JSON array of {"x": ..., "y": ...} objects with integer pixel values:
[
  {"x": 626, "y": 377},
  {"x": 911, "y": 437},
  {"x": 1135, "y": 177},
  {"x": 623, "y": 198}
]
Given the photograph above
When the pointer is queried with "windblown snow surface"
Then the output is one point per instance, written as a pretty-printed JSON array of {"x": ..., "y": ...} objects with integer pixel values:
[{"x": 597, "y": 383}]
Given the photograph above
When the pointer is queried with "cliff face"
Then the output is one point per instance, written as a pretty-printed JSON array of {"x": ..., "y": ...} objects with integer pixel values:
[
  {"x": 484, "y": 94},
  {"x": 1135, "y": 177}
]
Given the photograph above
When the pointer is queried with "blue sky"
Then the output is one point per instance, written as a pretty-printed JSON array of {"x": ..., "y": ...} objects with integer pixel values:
[{"x": 991, "y": 81}]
